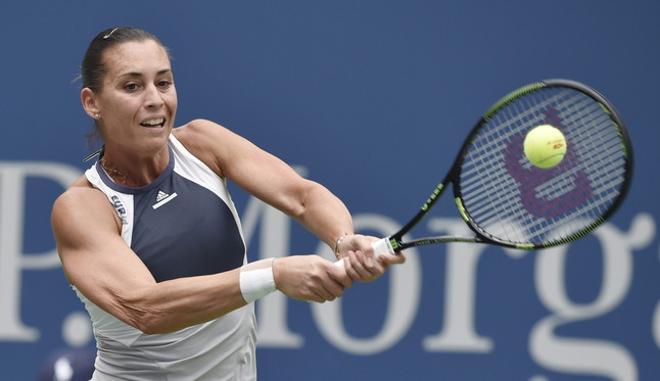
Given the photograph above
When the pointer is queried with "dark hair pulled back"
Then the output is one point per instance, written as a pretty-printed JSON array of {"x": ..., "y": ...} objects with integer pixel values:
[{"x": 92, "y": 69}]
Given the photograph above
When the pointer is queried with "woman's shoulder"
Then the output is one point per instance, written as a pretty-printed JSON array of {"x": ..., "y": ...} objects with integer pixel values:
[
  {"x": 80, "y": 193},
  {"x": 80, "y": 200},
  {"x": 198, "y": 131},
  {"x": 206, "y": 140}
]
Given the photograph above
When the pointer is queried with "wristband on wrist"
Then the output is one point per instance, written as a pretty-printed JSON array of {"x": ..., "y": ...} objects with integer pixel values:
[{"x": 257, "y": 283}]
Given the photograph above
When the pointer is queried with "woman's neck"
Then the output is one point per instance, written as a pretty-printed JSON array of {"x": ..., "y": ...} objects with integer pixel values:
[{"x": 134, "y": 172}]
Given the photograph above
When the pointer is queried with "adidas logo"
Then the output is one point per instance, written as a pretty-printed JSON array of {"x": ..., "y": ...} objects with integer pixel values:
[{"x": 163, "y": 198}]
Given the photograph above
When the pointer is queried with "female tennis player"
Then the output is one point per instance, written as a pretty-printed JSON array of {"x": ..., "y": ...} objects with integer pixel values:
[{"x": 151, "y": 241}]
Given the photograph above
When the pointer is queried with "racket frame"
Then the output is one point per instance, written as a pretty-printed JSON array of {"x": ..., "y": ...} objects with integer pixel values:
[{"x": 481, "y": 236}]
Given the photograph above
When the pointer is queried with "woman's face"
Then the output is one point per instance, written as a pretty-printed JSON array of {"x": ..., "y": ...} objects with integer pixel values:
[{"x": 137, "y": 103}]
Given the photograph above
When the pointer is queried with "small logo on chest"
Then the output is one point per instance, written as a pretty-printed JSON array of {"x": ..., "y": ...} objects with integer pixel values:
[{"x": 163, "y": 198}]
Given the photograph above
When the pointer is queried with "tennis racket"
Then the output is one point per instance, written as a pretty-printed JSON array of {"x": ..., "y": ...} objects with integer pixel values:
[{"x": 507, "y": 201}]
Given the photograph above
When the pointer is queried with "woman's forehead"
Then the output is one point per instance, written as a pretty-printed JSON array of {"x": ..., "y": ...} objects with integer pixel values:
[{"x": 137, "y": 57}]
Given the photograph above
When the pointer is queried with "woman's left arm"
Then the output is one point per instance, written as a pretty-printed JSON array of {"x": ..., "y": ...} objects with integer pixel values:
[{"x": 276, "y": 183}]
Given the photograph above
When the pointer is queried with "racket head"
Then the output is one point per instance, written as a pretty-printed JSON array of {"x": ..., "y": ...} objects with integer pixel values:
[{"x": 507, "y": 201}]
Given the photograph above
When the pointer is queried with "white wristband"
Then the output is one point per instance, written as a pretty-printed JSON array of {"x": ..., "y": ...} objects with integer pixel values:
[{"x": 257, "y": 283}]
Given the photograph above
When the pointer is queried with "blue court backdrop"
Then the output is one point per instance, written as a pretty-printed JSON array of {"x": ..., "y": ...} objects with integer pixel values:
[{"x": 372, "y": 99}]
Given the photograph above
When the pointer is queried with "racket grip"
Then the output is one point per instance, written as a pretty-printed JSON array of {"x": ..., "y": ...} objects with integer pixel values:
[{"x": 380, "y": 247}]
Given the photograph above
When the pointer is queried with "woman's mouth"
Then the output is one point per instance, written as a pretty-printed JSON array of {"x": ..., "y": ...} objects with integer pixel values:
[{"x": 155, "y": 122}]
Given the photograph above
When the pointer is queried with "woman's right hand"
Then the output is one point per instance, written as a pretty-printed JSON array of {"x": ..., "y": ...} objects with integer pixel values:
[{"x": 310, "y": 277}]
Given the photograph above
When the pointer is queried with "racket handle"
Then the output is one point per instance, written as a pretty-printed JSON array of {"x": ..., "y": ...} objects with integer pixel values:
[{"x": 380, "y": 247}]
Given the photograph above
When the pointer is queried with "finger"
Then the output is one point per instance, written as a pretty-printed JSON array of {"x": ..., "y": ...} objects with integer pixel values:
[
  {"x": 350, "y": 271},
  {"x": 389, "y": 259},
  {"x": 354, "y": 275},
  {"x": 318, "y": 299},
  {"x": 328, "y": 289},
  {"x": 373, "y": 265},
  {"x": 322, "y": 293},
  {"x": 341, "y": 274},
  {"x": 360, "y": 269},
  {"x": 334, "y": 288},
  {"x": 311, "y": 296},
  {"x": 345, "y": 263}
]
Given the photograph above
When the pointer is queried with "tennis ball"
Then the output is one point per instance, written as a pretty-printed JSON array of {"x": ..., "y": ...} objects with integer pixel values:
[{"x": 545, "y": 146}]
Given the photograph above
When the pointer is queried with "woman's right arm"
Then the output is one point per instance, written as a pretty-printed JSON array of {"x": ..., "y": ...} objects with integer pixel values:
[{"x": 97, "y": 261}]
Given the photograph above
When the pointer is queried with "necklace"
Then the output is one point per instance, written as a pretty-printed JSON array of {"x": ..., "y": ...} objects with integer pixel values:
[{"x": 116, "y": 175}]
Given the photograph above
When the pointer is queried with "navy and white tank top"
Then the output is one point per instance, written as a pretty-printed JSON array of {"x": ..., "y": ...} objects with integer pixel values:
[{"x": 182, "y": 224}]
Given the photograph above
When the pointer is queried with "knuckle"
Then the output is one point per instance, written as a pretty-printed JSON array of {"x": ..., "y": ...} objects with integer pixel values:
[{"x": 316, "y": 275}]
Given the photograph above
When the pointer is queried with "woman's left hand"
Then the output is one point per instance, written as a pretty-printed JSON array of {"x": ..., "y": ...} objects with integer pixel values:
[{"x": 359, "y": 259}]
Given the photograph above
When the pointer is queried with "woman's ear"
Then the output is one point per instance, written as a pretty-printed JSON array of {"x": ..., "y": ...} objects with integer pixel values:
[{"x": 88, "y": 101}]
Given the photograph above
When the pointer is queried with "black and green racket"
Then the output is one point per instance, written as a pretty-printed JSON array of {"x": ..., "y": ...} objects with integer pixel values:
[{"x": 508, "y": 201}]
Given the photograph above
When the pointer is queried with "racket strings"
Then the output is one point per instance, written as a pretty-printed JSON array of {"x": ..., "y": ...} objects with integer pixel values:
[
  {"x": 528, "y": 117},
  {"x": 599, "y": 206},
  {"x": 482, "y": 185},
  {"x": 601, "y": 144},
  {"x": 583, "y": 191},
  {"x": 513, "y": 201}
]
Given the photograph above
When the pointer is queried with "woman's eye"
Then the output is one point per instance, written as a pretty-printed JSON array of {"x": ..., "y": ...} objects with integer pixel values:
[
  {"x": 164, "y": 84},
  {"x": 131, "y": 86}
]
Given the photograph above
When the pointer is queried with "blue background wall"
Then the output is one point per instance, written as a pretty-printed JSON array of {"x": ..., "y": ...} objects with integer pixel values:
[{"x": 331, "y": 86}]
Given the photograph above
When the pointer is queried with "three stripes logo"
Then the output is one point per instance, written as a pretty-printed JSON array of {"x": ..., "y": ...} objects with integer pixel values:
[{"x": 163, "y": 198}]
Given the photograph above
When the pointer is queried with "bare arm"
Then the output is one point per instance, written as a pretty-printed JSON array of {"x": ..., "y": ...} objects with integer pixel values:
[
  {"x": 276, "y": 183},
  {"x": 99, "y": 263},
  {"x": 268, "y": 178}
]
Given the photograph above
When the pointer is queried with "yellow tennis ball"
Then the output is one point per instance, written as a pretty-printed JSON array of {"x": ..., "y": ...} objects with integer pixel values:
[{"x": 545, "y": 146}]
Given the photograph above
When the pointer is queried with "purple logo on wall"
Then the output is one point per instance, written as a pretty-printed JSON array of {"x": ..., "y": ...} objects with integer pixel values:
[{"x": 529, "y": 179}]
